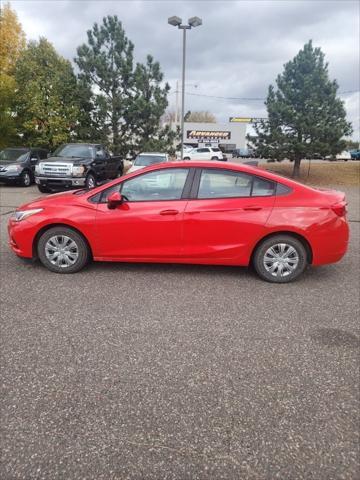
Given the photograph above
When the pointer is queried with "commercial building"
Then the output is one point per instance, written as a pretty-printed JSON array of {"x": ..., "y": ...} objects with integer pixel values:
[{"x": 226, "y": 136}]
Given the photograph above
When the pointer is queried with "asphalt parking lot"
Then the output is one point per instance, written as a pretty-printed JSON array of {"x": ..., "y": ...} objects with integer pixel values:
[{"x": 178, "y": 372}]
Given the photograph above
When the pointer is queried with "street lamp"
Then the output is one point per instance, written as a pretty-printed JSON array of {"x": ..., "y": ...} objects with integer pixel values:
[{"x": 177, "y": 22}]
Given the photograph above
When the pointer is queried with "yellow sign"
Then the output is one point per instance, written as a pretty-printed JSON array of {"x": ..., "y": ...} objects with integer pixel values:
[
  {"x": 240, "y": 119},
  {"x": 245, "y": 119}
]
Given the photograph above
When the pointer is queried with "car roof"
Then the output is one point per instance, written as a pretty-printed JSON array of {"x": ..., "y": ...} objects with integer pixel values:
[{"x": 252, "y": 170}]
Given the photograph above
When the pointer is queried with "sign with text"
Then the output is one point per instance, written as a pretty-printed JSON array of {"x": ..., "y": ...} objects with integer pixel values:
[
  {"x": 245, "y": 119},
  {"x": 208, "y": 135}
]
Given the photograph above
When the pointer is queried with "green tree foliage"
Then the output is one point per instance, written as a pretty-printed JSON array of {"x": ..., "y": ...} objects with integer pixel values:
[
  {"x": 305, "y": 117},
  {"x": 128, "y": 100},
  {"x": 200, "y": 117},
  {"x": 12, "y": 41},
  {"x": 47, "y": 98}
]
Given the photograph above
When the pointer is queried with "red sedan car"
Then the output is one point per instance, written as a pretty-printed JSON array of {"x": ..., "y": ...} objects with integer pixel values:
[{"x": 181, "y": 212}]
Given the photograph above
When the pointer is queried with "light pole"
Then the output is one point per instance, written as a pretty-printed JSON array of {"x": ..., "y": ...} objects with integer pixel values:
[{"x": 176, "y": 22}]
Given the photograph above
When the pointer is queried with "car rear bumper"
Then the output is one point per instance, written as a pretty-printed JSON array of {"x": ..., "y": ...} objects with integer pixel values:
[{"x": 329, "y": 246}]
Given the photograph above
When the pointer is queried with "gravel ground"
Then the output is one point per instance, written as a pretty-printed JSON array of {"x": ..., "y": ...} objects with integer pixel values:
[{"x": 178, "y": 372}]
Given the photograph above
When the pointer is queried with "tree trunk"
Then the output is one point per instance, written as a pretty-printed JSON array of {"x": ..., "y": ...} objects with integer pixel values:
[{"x": 296, "y": 169}]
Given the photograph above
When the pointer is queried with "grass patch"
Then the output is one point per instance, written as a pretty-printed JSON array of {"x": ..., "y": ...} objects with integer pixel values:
[{"x": 326, "y": 173}]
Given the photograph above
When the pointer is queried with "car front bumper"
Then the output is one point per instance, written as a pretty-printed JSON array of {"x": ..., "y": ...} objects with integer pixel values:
[
  {"x": 21, "y": 235},
  {"x": 59, "y": 183},
  {"x": 10, "y": 177}
]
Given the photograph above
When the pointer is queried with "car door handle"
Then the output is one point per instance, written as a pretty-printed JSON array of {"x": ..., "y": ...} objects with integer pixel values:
[
  {"x": 169, "y": 212},
  {"x": 253, "y": 207}
]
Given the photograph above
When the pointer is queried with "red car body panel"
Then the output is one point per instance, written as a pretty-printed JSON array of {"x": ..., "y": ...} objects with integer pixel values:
[{"x": 204, "y": 231}]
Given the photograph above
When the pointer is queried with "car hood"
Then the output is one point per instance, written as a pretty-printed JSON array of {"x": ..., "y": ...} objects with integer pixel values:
[
  {"x": 65, "y": 159},
  {"x": 3, "y": 163},
  {"x": 50, "y": 200},
  {"x": 134, "y": 168}
]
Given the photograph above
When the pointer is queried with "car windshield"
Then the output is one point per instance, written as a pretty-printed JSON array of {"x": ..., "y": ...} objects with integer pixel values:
[
  {"x": 13, "y": 154},
  {"x": 145, "y": 160},
  {"x": 74, "y": 151}
]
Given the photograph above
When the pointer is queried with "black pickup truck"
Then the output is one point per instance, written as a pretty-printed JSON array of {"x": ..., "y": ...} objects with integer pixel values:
[{"x": 77, "y": 165}]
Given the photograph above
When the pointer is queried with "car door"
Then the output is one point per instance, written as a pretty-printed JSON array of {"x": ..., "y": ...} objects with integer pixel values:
[
  {"x": 148, "y": 224},
  {"x": 101, "y": 163},
  {"x": 227, "y": 214},
  {"x": 33, "y": 159}
]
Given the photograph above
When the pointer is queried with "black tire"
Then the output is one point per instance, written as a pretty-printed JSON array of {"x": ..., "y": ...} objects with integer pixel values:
[
  {"x": 285, "y": 275},
  {"x": 44, "y": 189},
  {"x": 214, "y": 158},
  {"x": 82, "y": 250},
  {"x": 186, "y": 158},
  {"x": 90, "y": 181},
  {"x": 26, "y": 179}
]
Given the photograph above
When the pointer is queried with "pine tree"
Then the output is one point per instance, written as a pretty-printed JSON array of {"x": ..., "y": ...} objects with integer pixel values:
[
  {"x": 305, "y": 116},
  {"x": 128, "y": 100}
]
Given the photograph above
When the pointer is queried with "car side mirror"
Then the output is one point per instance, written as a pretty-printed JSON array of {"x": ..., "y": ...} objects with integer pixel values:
[{"x": 114, "y": 200}]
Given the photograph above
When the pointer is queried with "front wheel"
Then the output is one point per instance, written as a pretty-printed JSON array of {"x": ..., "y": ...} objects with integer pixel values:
[
  {"x": 214, "y": 158},
  {"x": 62, "y": 250},
  {"x": 90, "y": 181},
  {"x": 25, "y": 179},
  {"x": 186, "y": 158},
  {"x": 280, "y": 259},
  {"x": 44, "y": 189}
]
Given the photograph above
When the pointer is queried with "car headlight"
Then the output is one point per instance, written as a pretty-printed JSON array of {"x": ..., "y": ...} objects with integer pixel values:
[
  {"x": 37, "y": 168},
  {"x": 78, "y": 170},
  {"x": 12, "y": 168},
  {"x": 22, "y": 214}
]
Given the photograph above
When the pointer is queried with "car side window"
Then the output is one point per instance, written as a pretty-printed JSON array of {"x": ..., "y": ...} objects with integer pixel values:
[
  {"x": 226, "y": 184},
  {"x": 222, "y": 184},
  {"x": 99, "y": 152},
  {"x": 262, "y": 187},
  {"x": 159, "y": 185}
]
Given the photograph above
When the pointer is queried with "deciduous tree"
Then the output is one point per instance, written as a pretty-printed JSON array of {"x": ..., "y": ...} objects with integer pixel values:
[
  {"x": 47, "y": 104},
  {"x": 200, "y": 117},
  {"x": 12, "y": 41}
]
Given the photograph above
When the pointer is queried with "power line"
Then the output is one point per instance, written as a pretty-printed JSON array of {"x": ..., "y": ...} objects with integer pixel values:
[{"x": 252, "y": 99}]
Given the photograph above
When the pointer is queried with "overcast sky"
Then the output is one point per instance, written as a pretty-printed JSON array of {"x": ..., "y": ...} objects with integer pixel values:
[{"x": 237, "y": 52}]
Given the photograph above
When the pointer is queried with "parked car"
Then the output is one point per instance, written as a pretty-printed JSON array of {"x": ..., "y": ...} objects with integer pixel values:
[
  {"x": 181, "y": 212},
  {"x": 355, "y": 154},
  {"x": 345, "y": 155},
  {"x": 339, "y": 156},
  {"x": 204, "y": 153},
  {"x": 146, "y": 159},
  {"x": 76, "y": 165},
  {"x": 242, "y": 153},
  {"x": 17, "y": 165}
]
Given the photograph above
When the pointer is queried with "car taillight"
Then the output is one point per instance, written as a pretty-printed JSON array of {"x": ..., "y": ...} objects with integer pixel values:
[{"x": 340, "y": 209}]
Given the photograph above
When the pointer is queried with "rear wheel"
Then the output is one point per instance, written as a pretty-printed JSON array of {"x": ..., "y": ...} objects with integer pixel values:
[
  {"x": 25, "y": 179},
  {"x": 214, "y": 158},
  {"x": 280, "y": 259},
  {"x": 186, "y": 158},
  {"x": 62, "y": 250}
]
